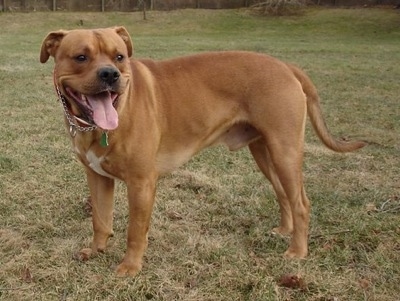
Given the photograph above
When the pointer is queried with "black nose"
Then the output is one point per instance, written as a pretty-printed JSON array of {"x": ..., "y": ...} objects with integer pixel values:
[{"x": 108, "y": 75}]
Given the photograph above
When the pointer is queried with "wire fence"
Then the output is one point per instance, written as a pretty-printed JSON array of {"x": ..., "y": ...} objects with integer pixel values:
[
  {"x": 116, "y": 5},
  {"x": 134, "y": 5}
]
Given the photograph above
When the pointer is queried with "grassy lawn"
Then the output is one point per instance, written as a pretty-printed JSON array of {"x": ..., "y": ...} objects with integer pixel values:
[{"x": 210, "y": 237}]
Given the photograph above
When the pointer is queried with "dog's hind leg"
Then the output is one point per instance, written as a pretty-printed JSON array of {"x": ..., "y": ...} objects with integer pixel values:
[
  {"x": 102, "y": 199},
  {"x": 287, "y": 158},
  {"x": 279, "y": 153},
  {"x": 263, "y": 159}
]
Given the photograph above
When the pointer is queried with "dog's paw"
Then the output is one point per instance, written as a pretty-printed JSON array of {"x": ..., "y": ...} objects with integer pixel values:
[
  {"x": 282, "y": 231},
  {"x": 84, "y": 254},
  {"x": 299, "y": 254},
  {"x": 125, "y": 269}
]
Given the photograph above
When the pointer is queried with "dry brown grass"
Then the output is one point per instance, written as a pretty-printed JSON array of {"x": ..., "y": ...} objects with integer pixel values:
[{"x": 210, "y": 237}]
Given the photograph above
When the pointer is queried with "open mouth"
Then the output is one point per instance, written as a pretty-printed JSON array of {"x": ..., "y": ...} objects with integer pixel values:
[{"x": 98, "y": 109}]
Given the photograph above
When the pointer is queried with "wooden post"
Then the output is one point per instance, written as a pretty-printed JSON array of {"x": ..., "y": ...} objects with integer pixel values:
[
  {"x": 54, "y": 5},
  {"x": 102, "y": 6},
  {"x": 144, "y": 10}
]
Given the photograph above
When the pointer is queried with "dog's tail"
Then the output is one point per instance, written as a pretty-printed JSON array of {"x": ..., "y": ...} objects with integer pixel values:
[{"x": 315, "y": 113}]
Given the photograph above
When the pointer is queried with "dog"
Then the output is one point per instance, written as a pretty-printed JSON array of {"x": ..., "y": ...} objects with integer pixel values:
[{"x": 135, "y": 120}]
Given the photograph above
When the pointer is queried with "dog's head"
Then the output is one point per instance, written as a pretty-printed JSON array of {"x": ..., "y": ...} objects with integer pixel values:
[{"x": 92, "y": 71}]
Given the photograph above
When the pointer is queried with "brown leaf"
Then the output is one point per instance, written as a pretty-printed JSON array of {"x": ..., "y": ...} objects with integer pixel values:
[
  {"x": 26, "y": 275},
  {"x": 83, "y": 255},
  {"x": 191, "y": 283},
  {"x": 327, "y": 246},
  {"x": 371, "y": 207},
  {"x": 292, "y": 281},
  {"x": 364, "y": 283},
  {"x": 173, "y": 215}
]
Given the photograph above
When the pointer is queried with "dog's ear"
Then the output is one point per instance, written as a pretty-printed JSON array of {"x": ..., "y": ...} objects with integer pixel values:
[
  {"x": 50, "y": 44},
  {"x": 123, "y": 33}
]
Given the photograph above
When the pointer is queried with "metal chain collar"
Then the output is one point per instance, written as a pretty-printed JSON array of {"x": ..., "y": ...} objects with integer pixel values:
[{"x": 73, "y": 127}]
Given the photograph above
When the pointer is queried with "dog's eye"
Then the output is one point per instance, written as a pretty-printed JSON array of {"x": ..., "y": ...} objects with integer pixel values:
[
  {"x": 120, "y": 58},
  {"x": 81, "y": 58}
]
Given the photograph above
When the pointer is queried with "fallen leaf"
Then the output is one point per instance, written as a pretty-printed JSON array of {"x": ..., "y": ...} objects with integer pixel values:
[
  {"x": 83, "y": 255},
  {"x": 370, "y": 207},
  {"x": 329, "y": 244},
  {"x": 26, "y": 275},
  {"x": 292, "y": 281},
  {"x": 191, "y": 283},
  {"x": 173, "y": 215},
  {"x": 364, "y": 283}
]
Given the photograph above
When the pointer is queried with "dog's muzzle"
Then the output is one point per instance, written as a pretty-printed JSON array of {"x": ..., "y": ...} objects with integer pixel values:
[{"x": 98, "y": 109}]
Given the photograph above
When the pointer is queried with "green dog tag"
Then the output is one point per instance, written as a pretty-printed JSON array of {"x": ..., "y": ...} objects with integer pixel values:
[{"x": 104, "y": 140}]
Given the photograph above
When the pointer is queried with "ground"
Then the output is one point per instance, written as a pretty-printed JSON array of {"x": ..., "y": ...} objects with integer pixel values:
[{"x": 210, "y": 237}]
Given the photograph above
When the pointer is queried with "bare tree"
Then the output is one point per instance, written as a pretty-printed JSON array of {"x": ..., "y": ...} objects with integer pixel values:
[{"x": 279, "y": 7}]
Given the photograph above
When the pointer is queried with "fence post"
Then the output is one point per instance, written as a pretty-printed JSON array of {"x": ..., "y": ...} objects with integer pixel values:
[{"x": 54, "y": 5}]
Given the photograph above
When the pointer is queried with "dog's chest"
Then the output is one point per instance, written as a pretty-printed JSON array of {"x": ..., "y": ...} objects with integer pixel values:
[{"x": 94, "y": 162}]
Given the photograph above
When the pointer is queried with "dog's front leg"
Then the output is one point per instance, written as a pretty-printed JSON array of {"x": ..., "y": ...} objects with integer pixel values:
[
  {"x": 102, "y": 198},
  {"x": 141, "y": 193}
]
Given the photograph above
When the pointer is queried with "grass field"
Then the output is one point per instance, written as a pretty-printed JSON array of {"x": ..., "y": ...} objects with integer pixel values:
[{"x": 210, "y": 237}]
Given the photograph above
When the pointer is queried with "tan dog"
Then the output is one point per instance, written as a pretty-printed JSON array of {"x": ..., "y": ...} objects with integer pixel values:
[{"x": 134, "y": 120}]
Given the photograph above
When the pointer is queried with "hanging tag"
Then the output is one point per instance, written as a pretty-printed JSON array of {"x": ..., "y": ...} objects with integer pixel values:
[
  {"x": 72, "y": 131},
  {"x": 104, "y": 139}
]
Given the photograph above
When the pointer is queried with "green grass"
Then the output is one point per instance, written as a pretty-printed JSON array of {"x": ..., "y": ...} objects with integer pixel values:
[{"x": 210, "y": 237}]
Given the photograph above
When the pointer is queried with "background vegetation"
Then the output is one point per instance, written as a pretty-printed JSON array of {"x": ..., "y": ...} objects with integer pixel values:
[{"x": 210, "y": 238}]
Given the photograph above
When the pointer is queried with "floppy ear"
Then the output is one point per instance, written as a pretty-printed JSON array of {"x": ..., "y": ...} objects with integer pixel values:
[
  {"x": 123, "y": 33},
  {"x": 50, "y": 44}
]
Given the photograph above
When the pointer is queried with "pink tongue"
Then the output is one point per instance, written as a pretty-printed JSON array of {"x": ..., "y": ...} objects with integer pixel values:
[{"x": 104, "y": 114}]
